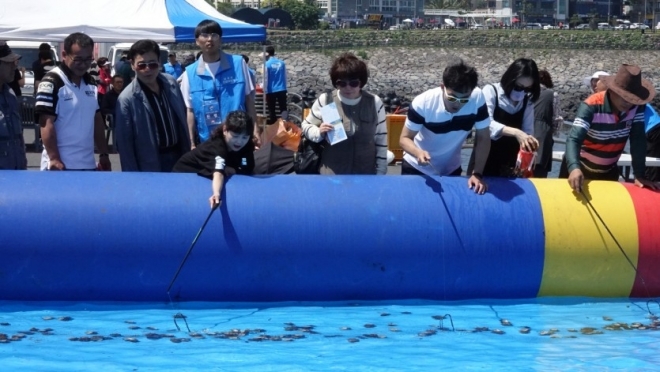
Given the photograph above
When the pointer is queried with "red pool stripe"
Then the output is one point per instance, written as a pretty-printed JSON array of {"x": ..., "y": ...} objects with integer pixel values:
[{"x": 647, "y": 209}]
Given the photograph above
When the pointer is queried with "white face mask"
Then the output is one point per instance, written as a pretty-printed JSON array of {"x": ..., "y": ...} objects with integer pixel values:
[{"x": 517, "y": 95}]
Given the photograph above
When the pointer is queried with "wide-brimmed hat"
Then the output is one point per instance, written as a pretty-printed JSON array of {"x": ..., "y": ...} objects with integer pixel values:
[
  {"x": 6, "y": 55},
  {"x": 628, "y": 84},
  {"x": 587, "y": 81}
]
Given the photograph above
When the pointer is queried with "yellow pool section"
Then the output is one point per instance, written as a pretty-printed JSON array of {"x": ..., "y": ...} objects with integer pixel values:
[{"x": 581, "y": 257}]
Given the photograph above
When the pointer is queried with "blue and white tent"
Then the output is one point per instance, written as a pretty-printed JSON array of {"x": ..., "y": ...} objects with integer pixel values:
[{"x": 117, "y": 20}]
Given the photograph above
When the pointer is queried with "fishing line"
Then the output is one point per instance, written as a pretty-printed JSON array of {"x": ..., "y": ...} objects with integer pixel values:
[{"x": 648, "y": 294}]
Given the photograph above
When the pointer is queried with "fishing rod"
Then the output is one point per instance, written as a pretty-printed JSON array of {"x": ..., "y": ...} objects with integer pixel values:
[
  {"x": 648, "y": 294},
  {"x": 183, "y": 262}
]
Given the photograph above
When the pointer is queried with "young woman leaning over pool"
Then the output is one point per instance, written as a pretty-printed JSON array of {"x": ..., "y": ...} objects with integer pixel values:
[{"x": 229, "y": 151}]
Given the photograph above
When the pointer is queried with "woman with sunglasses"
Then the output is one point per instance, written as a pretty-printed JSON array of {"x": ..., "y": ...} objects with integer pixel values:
[
  {"x": 363, "y": 119},
  {"x": 150, "y": 115},
  {"x": 512, "y": 117}
]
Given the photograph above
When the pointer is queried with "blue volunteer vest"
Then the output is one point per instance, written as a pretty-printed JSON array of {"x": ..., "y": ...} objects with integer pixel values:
[{"x": 227, "y": 88}]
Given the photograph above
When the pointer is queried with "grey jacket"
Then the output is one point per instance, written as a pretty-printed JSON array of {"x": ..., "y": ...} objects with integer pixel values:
[{"x": 135, "y": 130}]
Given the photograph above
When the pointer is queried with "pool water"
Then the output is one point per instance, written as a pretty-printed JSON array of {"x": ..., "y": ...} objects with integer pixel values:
[{"x": 546, "y": 334}]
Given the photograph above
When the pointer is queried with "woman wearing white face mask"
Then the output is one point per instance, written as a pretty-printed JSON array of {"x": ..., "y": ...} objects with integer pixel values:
[{"x": 512, "y": 117}]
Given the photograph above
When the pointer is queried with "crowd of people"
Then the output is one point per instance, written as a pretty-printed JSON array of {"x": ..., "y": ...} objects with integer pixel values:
[{"x": 200, "y": 117}]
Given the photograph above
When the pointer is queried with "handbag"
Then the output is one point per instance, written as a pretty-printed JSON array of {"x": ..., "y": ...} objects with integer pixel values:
[{"x": 307, "y": 160}]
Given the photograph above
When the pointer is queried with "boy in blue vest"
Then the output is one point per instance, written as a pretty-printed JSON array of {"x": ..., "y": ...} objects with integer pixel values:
[
  {"x": 214, "y": 85},
  {"x": 275, "y": 85}
]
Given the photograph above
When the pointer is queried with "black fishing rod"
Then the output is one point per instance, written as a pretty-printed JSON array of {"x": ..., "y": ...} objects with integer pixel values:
[
  {"x": 648, "y": 294},
  {"x": 183, "y": 262}
]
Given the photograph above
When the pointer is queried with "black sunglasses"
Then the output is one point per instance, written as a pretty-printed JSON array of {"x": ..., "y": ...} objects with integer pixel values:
[
  {"x": 143, "y": 65},
  {"x": 523, "y": 88},
  {"x": 352, "y": 83}
]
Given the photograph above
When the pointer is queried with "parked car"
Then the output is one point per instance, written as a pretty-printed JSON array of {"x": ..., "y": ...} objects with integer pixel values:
[
  {"x": 621, "y": 27},
  {"x": 639, "y": 26},
  {"x": 549, "y": 27},
  {"x": 533, "y": 26},
  {"x": 584, "y": 26},
  {"x": 477, "y": 26},
  {"x": 605, "y": 26}
]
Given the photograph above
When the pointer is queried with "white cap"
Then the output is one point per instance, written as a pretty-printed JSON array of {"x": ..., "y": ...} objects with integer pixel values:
[{"x": 587, "y": 81}]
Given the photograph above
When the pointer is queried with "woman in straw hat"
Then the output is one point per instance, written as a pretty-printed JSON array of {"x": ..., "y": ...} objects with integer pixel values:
[{"x": 602, "y": 126}]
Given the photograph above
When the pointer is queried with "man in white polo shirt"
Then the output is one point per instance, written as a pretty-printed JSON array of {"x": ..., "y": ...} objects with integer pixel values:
[
  {"x": 439, "y": 120},
  {"x": 68, "y": 111}
]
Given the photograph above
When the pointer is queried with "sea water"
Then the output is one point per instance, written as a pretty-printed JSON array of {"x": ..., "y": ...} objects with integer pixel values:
[{"x": 548, "y": 334}]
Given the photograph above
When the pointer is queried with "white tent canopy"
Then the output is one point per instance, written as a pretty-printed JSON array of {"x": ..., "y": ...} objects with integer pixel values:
[
  {"x": 117, "y": 20},
  {"x": 408, "y": 20}
]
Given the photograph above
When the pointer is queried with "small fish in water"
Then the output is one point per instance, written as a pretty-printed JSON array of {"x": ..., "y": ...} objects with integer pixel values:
[
  {"x": 481, "y": 329},
  {"x": 369, "y": 325},
  {"x": 4, "y": 341},
  {"x": 572, "y": 330},
  {"x": 607, "y": 318},
  {"x": 3, "y": 336},
  {"x": 47, "y": 317},
  {"x": 385, "y": 314},
  {"x": 175, "y": 340},
  {"x": 115, "y": 335},
  {"x": 345, "y": 328},
  {"x": 498, "y": 331},
  {"x": 525, "y": 330},
  {"x": 131, "y": 339},
  {"x": 129, "y": 321},
  {"x": 74, "y": 339},
  {"x": 152, "y": 328},
  {"x": 353, "y": 340},
  {"x": 506, "y": 323},
  {"x": 153, "y": 336},
  {"x": 134, "y": 327},
  {"x": 65, "y": 318},
  {"x": 91, "y": 333},
  {"x": 394, "y": 329},
  {"x": 406, "y": 312},
  {"x": 4, "y": 324}
]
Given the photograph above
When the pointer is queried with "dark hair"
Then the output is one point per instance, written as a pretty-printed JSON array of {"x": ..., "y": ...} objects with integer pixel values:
[
  {"x": 117, "y": 76},
  {"x": 346, "y": 67},
  {"x": 78, "y": 38},
  {"x": 44, "y": 47},
  {"x": 522, "y": 67},
  {"x": 246, "y": 58},
  {"x": 236, "y": 122},
  {"x": 545, "y": 79},
  {"x": 208, "y": 26},
  {"x": 171, "y": 54},
  {"x": 45, "y": 54},
  {"x": 142, "y": 47},
  {"x": 270, "y": 50},
  {"x": 460, "y": 78},
  {"x": 101, "y": 61},
  {"x": 198, "y": 54}
]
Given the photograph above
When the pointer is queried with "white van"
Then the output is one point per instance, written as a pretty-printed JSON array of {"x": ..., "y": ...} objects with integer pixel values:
[
  {"x": 29, "y": 52},
  {"x": 114, "y": 54}
]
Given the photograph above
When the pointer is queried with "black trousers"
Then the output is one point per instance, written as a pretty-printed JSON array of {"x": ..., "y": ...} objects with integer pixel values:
[
  {"x": 278, "y": 98},
  {"x": 407, "y": 169},
  {"x": 653, "y": 149},
  {"x": 611, "y": 175}
]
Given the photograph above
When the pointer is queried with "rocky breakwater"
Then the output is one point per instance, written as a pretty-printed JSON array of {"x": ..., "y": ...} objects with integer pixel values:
[{"x": 410, "y": 71}]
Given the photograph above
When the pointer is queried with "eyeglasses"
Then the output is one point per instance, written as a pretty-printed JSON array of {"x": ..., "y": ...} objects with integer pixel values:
[
  {"x": 82, "y": 61},
  {"x": 352, "y": 83},
  {"x": 453, "y": 99},
  {"x": 206, "y": 36},
  {"x": 522, "y": 88},
  {"x": 143, "y": 65}
]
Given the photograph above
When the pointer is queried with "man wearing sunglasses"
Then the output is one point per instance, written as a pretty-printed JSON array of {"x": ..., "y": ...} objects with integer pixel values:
[
  {"x": 150, "y": 116},
  {"x": 69, "y": 114},
  {"x": 12, "y": 146},
  {"x": 215, "y": 85},
  {"x": 439, "y": 120}
]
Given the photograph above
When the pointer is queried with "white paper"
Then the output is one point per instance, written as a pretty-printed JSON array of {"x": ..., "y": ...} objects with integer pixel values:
[{"x": 330, "y": 115}]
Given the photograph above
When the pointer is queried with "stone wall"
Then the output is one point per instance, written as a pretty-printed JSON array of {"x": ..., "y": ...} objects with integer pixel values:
[{"x": 410, "y": 70}]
